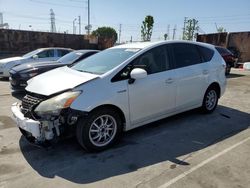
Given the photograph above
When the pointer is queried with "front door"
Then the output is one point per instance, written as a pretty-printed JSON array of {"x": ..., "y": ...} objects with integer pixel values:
[{"x": 153, "y": 96}]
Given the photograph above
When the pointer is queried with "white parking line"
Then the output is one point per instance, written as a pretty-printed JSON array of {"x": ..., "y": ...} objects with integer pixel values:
[{"x": 177, "y": 178}]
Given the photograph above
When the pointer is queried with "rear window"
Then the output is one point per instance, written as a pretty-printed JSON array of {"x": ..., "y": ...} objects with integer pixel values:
[
  {"x": 223, "y": 51},
  {"x": 206, "y": 53}
]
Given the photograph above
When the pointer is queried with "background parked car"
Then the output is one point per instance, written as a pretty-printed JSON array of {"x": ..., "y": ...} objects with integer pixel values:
[
  {"x": 39, "y": 55},
  {"x": 228, "y": 57},
  {"x": 20, "y": 74}
]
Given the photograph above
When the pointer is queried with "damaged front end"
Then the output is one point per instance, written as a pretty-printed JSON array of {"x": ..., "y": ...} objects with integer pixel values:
[{"x": 43, "y": 120}]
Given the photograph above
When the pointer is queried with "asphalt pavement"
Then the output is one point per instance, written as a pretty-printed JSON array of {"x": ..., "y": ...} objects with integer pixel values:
[{"x": 187, "y": 150}]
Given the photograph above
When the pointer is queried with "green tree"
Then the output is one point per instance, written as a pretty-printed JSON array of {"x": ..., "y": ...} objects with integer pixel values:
[
  {"x": 165, "y": 36},
  {"x": 221, "y": 29},
  {"x": 190, "y": 30},
  {"x": 147, "y": 28},
  {"x": 105, "y": 32}
]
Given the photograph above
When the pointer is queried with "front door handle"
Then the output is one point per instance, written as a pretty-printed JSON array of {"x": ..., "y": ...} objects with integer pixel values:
[{"x": 169, "y": 81}]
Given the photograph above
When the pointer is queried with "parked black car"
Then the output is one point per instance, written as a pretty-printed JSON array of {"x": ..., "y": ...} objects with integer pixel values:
[{"x": 19, "y": 75}]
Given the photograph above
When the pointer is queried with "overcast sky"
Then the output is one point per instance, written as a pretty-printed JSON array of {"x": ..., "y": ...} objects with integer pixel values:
[{"x": 35, "y": 15}]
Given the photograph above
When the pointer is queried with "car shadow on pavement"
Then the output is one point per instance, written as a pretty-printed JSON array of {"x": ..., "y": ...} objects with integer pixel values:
[
  {"x": 233, "y": 75},
  {"x": 164, "y": 140}
]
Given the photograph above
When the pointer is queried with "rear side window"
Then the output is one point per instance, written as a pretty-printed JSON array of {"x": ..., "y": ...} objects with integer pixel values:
[
  {"x": 61, "y": 53},
  {"x": 46, "y": 53},
  {"x": 206, "y": 53},
  {"x": 186, "y": 55}
]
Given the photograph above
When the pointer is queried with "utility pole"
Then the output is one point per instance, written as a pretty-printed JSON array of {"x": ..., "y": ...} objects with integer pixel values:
[
  {"x": 168, "y": 31},
  {"x": 174, "y": 30},
  {"x": 52, "y": 21},
  {"x": 184, "y": 28},
  {"x": 120, "y": 31},
  {"x": 1, "y": 18},
  {"x": 194, "y": 26},
  {"x": 216, "y": 26},
  {"x": 88, "y": 17},
  {"x": 79, "y": 19},
  {"x": 74, "y": 27}
]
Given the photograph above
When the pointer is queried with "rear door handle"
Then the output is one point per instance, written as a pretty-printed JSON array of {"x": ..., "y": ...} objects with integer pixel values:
[
  {"x": 205, "y": 71},
  {"x": 169, "y": 81}
]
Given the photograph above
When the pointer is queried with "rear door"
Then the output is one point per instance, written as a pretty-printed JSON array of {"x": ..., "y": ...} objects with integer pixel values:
[
  {"x": 46, "y": 55},
  {"x": 192, "y": 74}
]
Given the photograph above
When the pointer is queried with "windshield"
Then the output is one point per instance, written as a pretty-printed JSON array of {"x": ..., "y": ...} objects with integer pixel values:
[
  {"x": 104, "y": 61},
  {"x": 70, "y": 57},
  {"x": 30, "y": 54}
]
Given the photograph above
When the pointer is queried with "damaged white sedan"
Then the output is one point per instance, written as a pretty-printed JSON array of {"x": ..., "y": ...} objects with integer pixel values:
[{"x": 119, "y": 89}]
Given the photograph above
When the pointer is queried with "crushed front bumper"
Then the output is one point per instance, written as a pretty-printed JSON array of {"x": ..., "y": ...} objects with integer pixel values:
[{"x": 30, "y": 126}]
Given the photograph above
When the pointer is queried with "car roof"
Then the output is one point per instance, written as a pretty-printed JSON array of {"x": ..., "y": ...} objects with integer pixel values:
[
  {"x": 142, "y": 45},
  {"x": 86, "y": 50},
  {"x": 56, "y": 48}
]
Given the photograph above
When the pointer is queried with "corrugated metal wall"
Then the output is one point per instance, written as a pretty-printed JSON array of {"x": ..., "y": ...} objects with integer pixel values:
[
  {"x": 16, "y": 42},
  {"x": 240, "y": 41}
]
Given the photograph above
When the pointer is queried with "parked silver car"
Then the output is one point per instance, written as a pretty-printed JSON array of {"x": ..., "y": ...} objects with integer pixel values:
[{"x": 39, "y": 55}]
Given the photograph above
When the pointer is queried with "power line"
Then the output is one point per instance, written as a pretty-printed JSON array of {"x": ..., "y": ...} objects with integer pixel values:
[{"x": 54, "y": 4}]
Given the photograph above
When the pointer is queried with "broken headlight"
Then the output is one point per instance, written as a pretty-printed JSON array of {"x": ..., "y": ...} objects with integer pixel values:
[{"x": 54, "y": 105}]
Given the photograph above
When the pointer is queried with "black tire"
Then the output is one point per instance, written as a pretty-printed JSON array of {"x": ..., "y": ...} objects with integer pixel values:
[
  {"x": 228, "y": 69},
  {"x": 86, "y": 125},
  {"x": 209, "y": 104}
]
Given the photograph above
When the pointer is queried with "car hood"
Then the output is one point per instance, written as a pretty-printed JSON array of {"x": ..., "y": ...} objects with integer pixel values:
[
  {"x": 6, "y": 60},
  {"x": 57, "y": 80},
  {"x": 38, "y": 65}
]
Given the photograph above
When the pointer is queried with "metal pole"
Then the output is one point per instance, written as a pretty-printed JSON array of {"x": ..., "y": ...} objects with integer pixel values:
[
  {"x": 74, "y": 28},
  {"x": 88, "y": 17},
  {"x": 79, "y": 17},
  {"x": 184, "y": 28},
  {"x": 174, "y": 30},
  {"x": 120, "y": 31}
]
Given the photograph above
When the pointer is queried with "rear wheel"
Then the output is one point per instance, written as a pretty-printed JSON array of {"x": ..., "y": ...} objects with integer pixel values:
[
  {"x": 210, "y": 100},
  {"x": 228, "y": 69},
  {"x": 100, "y": 130}
]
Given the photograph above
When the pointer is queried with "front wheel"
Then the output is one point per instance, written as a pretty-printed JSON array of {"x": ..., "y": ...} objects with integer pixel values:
[
  {"x": 210, "y": 100},
  {"x": 100, "y": 130}
]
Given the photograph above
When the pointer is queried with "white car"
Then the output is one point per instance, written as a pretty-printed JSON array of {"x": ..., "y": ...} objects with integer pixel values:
[
  {"x": 119, "y": 89},
  {"x": 39, "y": 55}
]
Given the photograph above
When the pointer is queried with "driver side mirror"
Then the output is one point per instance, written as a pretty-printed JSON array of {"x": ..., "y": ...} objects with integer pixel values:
[
  {"x": 137, "y": 73},
  {"x": 35, "y": 57}
]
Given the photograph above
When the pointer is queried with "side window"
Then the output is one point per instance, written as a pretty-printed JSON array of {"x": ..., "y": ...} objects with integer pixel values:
[
  {"x": 61, "y": 53},
  {"x": 153, "y": 61},
  {"x": 46, "y": 54},
  {"x": 186, "y": 55},
  {"x": 206, "y": 53}
]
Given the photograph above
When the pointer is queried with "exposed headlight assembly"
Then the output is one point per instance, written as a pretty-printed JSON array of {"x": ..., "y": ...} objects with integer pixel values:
[
  {"x": 54, "y": 105},
  {"x": 28, "y": 74}
]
